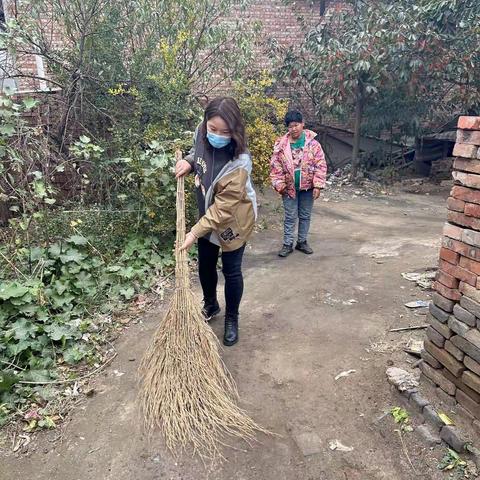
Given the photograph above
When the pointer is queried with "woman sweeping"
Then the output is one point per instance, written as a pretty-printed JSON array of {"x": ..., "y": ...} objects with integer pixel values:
[{"x": 227, "y": 206}]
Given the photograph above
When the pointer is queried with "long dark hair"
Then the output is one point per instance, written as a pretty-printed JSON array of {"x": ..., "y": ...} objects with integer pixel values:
[{"x": 227, "y": 109}]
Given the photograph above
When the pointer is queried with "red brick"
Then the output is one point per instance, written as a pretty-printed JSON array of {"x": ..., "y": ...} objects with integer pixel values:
[
  {"x": 469, "y": 123},
  {"x": 470, "y": 137},
  {"x": 465, "y": 151},
  {"x": 473, "y": 336},
  {"x": 457, "y": 326},
  {"x": 465, "y": 194},
  {"x": 470, "y": 292},
  {"x": 455, "y": 351},
  {"x": 430, "y": 359},
  {"x": 471, "y": 237},
  {"x": 447, "y": 268},
  {"x": 450, "y": 293},
  {"x": 462, "y": 248},
  {"x": 459, "y": 383},
  {"x": 469, "y": 404},
  {"x": 449, "y": 256},
  {"x": 467, "y": 179},
  {"x": 458, "y": 272},
  {"x": 447, "y": 280},
  {"x": 447, "y": 360},
  {"x": 467, "y": 165},
  {"x": 461, "y": 219},
  {"x": 438, "y": 378},
  {"x": 466, "y": 347},
  {"x": 471, "y": 209},
  {"x": 443, "y": 303},
  {"x": 471, "y": 265},
  {"x": 472, "y": 365},
  {"x": 452, "y": 231},
  {"x": 435, "y": 337},
  {"x": 455, "y": 204},
  {"x": 472, "y": 381},
  {"x": 445, "y": 398},
  {"x": 441, "y": 328},
  {"x": 464, "y": 312}
]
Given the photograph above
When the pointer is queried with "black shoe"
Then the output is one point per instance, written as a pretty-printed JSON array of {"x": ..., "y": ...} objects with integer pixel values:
[
  {"x": 304, "y": 247},
  {"x": 285, "y": 251},
  {"x": 210, "y": 309},
  {"x": 230, "y": 336}
]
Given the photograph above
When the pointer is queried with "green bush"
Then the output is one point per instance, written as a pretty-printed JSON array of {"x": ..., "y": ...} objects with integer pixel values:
[
  {"x": 65, "y": 265},
  {"x": 48, "y": 312}
]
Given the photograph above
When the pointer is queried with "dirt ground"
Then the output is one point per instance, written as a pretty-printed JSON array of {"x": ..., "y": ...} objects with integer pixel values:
[{"x": 304, "y": 320}]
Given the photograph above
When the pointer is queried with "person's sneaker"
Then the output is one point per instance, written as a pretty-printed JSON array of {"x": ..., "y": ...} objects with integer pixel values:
[
  {"x": 285, "y": 251},
  {"x": 304, "y": 247},
  {"x": 210, "y": 310}
]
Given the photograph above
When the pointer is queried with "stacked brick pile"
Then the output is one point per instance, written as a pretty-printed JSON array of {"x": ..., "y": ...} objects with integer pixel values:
[{"x": 452, "y": 349}]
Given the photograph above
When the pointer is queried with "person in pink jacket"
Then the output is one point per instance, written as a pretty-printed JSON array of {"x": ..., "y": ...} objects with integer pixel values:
[{"x": 298, "y": 172}]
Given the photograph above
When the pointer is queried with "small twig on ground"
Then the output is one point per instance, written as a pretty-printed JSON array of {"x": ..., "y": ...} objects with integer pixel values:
[
  {"x": 13, "y": 266},
  {"x": 12, "y": 365},
  {"x": 404, "y": 329},
  {"x": 166, "y": 277},
  {"x": 404, "y": 448},
  {"x": 61, "y": 382}
]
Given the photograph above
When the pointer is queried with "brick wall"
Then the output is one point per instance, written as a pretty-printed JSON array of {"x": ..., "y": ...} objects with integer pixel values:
[
  {"x": 285, "y": 24},
  {"x": 30, "y": 70},
  {"x": 282, "y": 22},
  {"x": 452, "y": 349}
]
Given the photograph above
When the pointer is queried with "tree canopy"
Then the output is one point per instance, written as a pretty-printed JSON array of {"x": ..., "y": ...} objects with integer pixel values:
[{"x": 404, "y": 65}]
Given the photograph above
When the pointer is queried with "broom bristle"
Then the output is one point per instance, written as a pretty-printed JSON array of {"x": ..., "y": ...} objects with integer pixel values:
[{"x": 186, "y": 390}]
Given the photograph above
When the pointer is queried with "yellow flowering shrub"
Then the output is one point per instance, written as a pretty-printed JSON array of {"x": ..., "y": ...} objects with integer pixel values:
[
  {"x": 261, "y": 138},
  {"x": 120, "y": 89},
  {"x": 263, "y": 116}
]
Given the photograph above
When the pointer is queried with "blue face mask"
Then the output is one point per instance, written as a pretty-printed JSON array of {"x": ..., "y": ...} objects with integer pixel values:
[{"x": 218, "y": 141}]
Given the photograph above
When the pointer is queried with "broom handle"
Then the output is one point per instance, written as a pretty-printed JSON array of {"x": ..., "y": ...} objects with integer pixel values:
[{"x": 181, "y": 262}]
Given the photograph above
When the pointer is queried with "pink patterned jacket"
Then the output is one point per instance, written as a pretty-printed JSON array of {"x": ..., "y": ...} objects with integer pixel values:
[{"x": 314, "y": 167}]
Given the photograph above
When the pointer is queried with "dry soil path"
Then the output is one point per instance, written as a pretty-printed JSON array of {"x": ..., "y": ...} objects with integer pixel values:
[{"x": 305, "y": 319}]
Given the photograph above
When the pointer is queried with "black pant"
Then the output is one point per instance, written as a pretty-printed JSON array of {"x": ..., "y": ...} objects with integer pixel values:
[{"x": 232, "y": 271}]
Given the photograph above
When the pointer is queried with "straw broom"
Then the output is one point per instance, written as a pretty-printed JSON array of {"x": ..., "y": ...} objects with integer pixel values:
[{"x": 186, "y": 391}]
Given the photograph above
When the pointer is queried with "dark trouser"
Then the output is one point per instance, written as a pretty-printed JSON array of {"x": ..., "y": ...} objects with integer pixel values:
[{"x": 232, "y": 271}]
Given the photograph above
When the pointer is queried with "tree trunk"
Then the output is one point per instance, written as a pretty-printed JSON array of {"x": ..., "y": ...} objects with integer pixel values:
[
  {"x": 323, "y": 7},
  {"x": 4, "y": 214},
  {"x": 357, "y": 128}
]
